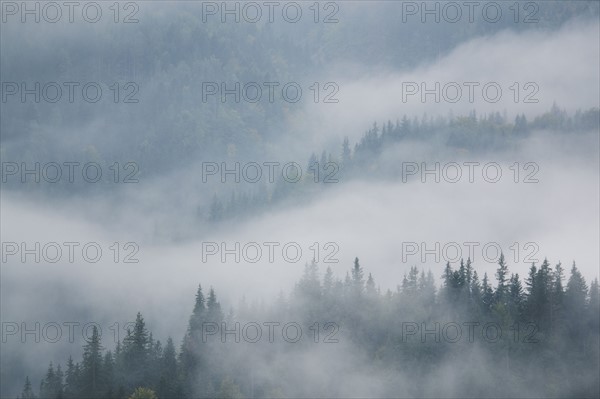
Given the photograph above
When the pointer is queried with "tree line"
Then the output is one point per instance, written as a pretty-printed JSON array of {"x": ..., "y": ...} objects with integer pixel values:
[
  {"x": 561, "y": 318},
  {"x": 471, "y": 132}
]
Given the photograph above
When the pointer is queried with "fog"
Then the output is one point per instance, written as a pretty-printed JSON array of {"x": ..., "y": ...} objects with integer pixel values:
[
  {"x": 381, "y": 210},
  {"x": 498, "y": 60}
]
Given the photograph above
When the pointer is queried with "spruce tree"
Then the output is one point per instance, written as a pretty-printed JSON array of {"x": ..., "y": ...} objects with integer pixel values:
[
  {"x": 27, "y": 392},
  {"x": 575, "y": 304},
  {"x": 370, "y": 287},
  {"x": 71, "y": 383},
  {"x": 108, "y": 373},
  {"x": 487, "y": 294},
  {"x": 515, "y": 298},
  {"x": 46, "y": 386},
  {"x": 91, "y": 368},
  {"x": 501, "y": 277},
  {"x": 213, "y": 308},
  {"x": 328, "y": 281},
  {"x": 576, "y": 292},
  {"x": 168, "y": 371},
  {"x": 52, "y": 384},
  {"x": 357, "y": 277}
]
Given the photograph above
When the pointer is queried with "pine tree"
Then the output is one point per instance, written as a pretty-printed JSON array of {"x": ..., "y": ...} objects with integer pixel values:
[
  {"x": 136, "y": 352},
  {"x": 108, "y": 370},
  {"x": 532, "y": 290},
  {"x": 469, "y": 273},
  {"x": 539, "y": 300},
  {"x": 501, "y": 277},
  {"x": 140, "y": 339},
  {"x": 328, "y": 281},
  {"x": 558, "y": 285},
  {"x": 154, "y": 356},
  {"x": 357, "y": 277},
  {"x": 520, "y": 126},
  {"x": 405, "y": 288},
  {"x": 71, "y": 380},
  {"x": 576, "y": 293},
  {"x": 448, "y": 277},
  {"x": 462, "y": 274},
  {"x": 47, "y": 388},
  {"x": 530, "y": 281},
  {"x": 413, "y": 277},
  {"x": 92, "y": 366},
  {"x": 515, "y": 303},
  {"x": 575, "y": 304},
  {"x": 475, "y": 289},
  {"x": 557, "y": 295},
  {"x": 27, "y": 392},
  {"x": 213, "y": 308},
  {"x": 168, "y": 371},
  {"x": 466, "y": 277},
  {"x": 370, "y": 287},
  {"x": 198, "y": 313},
  {"x": 59, "y": 386},
  {"x": 192, "y": 360},
  {"x": 453, "y": 280},
  {"x": 427, "y": 290},
  {"x": 487, "y": 294},
  {"x": 309, "y": 286}
]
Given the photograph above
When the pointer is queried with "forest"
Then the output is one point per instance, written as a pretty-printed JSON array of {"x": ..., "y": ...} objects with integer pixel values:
[
  {"x": 541, "y": 330},
  {"x": 197, "y": 326},
  {"x": 472, "y": 134},
  {"x": 169, "y": 78}
]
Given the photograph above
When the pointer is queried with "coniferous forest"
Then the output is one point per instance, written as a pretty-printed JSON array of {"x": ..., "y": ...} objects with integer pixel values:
[
  {"x": 539, "y": 327},
  {"x": 299, "y": 199}
]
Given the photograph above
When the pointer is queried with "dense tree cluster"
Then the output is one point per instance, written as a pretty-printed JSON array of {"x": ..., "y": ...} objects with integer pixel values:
[
  {"x": 549, "y": 327},
  {"x": 471, "y": 133}
]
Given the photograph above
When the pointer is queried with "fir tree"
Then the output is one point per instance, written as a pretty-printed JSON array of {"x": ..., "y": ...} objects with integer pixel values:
[
  {"x": 27, "y": 392},
  {"x": 357, "y": 277},
  {"x": 501, "y": 277},
  {"x": 91, "y": 366}
]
